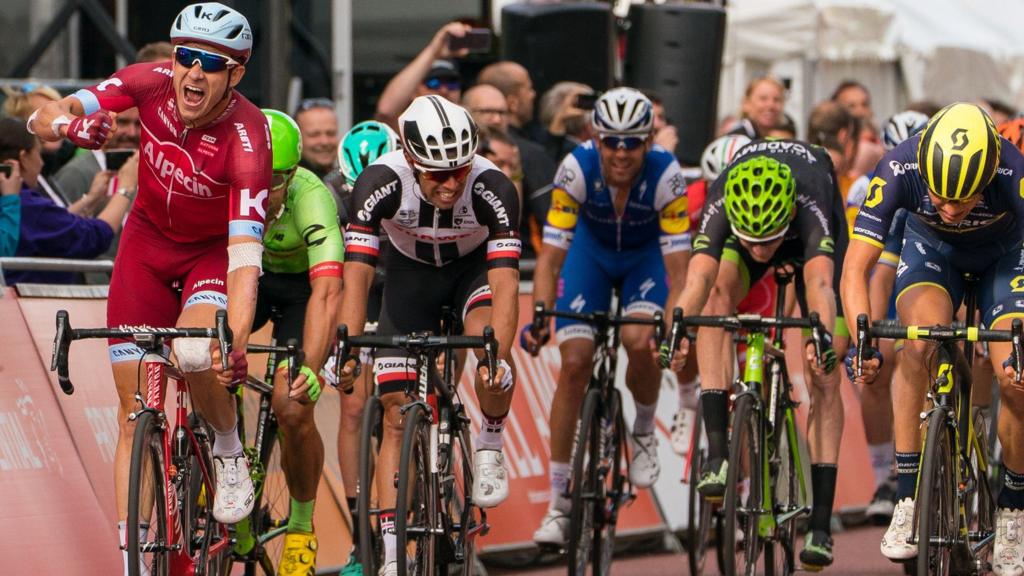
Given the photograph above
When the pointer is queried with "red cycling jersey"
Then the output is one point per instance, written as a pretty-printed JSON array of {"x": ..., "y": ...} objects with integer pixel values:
[{"x": 194, "y": 184}]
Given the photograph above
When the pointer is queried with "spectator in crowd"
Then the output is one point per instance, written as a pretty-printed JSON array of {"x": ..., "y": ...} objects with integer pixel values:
[
  {"x": 318, "y": 124},
  {"x": 490, "y": 109},
  {"x": 566, "y": 124},
  {"x": 834, "y": 128},
  {"x": 761, "y": 110},
  {"x": 10, "y": 208},
  {"x": 431, "y": 72},
  {"x": 514, "y": 82},
  {"x": 665, "y": 134},
  {"x": 155, "y": 52},
  {"x": 927, "y": 107},
  {"x": 856, "y": 98},
  {"x": 21, "y": 102},
  {"x": 47, "y": 229},
  {"x": 999, "y": 111},
  {"x": 498, "y": 147}
]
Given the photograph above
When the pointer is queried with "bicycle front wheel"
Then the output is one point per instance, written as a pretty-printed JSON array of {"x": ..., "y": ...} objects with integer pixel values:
[
  {"x": 936, "y": 499},
  {"x": 981, "y": 502},
  {"x": 740, "y": 538},
  {"x": 371, "y": 550},
  {"x": 612, "y": 476},
  {"x": 269, "y": 518},
  {"x": 586, "y": 489},
  {"x": 779, "y": 558},
  {"x": 700, "y": 532},
  {"x": 146, "y": 537},
  {"x": 416, "y": 506}
]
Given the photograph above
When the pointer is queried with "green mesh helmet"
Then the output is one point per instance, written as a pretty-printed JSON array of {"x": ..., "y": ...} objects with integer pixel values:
[
  {"x": 760, "y": 198},
  {"x": 285, "y": 139},
  {"x": 363, "y": 144}
]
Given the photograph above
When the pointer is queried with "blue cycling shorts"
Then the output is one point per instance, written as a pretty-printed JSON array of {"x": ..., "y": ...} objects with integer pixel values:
[{"x": 591, "y": 271}]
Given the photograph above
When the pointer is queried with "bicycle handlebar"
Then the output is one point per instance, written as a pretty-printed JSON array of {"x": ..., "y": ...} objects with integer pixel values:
[
  {"x": 743, "y": 322},
  {"x": 293, "y": 354},
  {"x": 147, "y": 337},
  {"x": 415, "y": 342},
  {"x": 939, "y": 333},
  {"x": 599, "y": 320}
]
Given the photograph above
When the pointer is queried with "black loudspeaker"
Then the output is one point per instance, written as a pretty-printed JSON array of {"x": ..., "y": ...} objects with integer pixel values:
[
  {"x": 558, "y": 42},
  {"x": 676, "y": 51}
]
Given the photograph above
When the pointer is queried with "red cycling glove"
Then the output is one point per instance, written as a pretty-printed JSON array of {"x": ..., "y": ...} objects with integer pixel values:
[
  {"x": 239, "y": 366},
  {"x": 90, "y": 131}
]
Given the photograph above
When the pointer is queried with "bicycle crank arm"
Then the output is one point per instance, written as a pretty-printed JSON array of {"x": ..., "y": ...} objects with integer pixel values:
[{"x": 787, "y": 516}]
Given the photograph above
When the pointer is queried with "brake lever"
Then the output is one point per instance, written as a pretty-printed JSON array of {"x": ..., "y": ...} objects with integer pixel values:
[
  {"x": 491, "y": 353},
  {"x": 862, "y": 343},
  {"x": 538, "y": 325},
  {"x": 341, "y": 357},
  {"x": 1017, "y": 330},
  {"x": 816, "y": 329},
  {"x": 61, "y": 346}
]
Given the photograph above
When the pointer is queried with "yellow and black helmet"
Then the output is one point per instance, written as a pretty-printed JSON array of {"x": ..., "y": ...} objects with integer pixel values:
[{"x": 959, "y": 151}]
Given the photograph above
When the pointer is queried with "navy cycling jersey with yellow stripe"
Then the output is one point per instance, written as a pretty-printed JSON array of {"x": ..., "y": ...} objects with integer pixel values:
[{"x": 897, "y": 183}]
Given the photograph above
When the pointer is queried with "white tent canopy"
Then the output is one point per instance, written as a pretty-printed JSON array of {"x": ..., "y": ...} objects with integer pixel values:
[{"x": 903, "y": 50}]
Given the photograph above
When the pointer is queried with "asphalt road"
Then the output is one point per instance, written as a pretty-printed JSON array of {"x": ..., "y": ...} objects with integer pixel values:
[{"x": 856, "y": 553}]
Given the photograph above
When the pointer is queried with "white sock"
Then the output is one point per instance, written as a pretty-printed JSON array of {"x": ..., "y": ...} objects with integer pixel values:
[
  {"x": 490, "y": 437},
  {"x": 122, "y": 538},
  {"x": 882, "y": 458},
  {"x": 644, "y": 422},
  {"x": 559, "y": 472},
  {"x": 387, "y": 532},
  {"x": 227, "y": 443},
  {"x": 688, "y": 396}
]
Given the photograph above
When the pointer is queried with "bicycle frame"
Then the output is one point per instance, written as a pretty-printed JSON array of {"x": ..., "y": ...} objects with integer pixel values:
[{"x": 180, "y": 561}]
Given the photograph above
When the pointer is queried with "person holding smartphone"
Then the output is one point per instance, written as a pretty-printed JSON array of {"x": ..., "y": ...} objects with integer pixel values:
[
  {"x": 10, "y": 207},
  {"x": 431, "y": 72}
]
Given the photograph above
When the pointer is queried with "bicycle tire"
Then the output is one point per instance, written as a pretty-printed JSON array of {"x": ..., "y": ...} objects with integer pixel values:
[
  {"x": 371, "y": 549},
  {"x": 146, "y": 499},
  {"x": 936, "y": 501},
  {"x": 202, "y": 530},
  {"x": 779, "y": 556},
  {"x": 584, "y": 485},
  {"x": 269, "y": 518},
  {"x": 744, "y": 463},
  {"x": 416, "y": 506},
  {"x": 614, "y": 492},
  {"x": 700, "y": 529},
  {"x": 462, "y": 515},
  {"x": 982, "y": 504}
]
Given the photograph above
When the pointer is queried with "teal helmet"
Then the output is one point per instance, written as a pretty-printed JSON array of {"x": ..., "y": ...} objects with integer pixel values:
[
  {"x": 285, "y": 140},
  {"x": 363, "y": 144}
]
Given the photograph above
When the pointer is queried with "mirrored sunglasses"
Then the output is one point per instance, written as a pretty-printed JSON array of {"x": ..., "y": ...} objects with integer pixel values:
[{"x": 208, "y": 61}]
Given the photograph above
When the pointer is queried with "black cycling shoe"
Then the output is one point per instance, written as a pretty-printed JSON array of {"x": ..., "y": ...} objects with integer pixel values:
[{"x": 817, "y": 552}]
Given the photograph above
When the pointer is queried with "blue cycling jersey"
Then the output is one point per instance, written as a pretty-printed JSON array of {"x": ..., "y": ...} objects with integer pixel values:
[{"x": 656, "y": 207}]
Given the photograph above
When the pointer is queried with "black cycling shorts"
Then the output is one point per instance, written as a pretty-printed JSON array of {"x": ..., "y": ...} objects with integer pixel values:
[
  {"x": 287, "y": 295},
  {"x": 414, "y": 296}
]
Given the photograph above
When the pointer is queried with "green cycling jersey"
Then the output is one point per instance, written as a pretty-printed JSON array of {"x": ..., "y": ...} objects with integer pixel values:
[{"x": 304, "y": 235}]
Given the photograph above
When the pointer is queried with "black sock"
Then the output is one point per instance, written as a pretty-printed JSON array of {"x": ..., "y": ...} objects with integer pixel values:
[
  {"x": 823, "y": 486},
  {"x": 715, "y": 407},
  {"x": 1012, "y": 494},
  {"x": 907, "y": 464},
  {"x": 353, "y": 508}
]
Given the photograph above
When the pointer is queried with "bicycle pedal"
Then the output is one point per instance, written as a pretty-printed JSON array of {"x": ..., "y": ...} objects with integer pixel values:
[{"x": 809, "y": 568}]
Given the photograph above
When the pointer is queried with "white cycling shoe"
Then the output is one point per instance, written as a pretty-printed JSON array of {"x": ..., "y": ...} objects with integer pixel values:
[
  {"x": 644, "y": 469},
  {"x": 234, "y": 497},
  {"x": 682, "y": 430},
  {"x": 490, "y": 478},
  {"x": 895, "y": 544},
  {"x": 553, "y": 530},
  {"x": 1008, "y": 551}
]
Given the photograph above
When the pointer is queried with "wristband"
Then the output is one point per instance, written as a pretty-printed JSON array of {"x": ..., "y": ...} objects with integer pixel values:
[
  {"x": 128, "y": 193},
  {"x": 28, "y": 123}
]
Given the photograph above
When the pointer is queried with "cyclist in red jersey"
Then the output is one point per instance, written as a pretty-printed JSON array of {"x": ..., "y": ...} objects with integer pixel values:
[{"x": 193, "y": 242}]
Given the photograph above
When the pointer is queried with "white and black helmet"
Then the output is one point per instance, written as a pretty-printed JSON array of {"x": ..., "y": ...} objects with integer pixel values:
[
  {"x": 623, "y": 112},
  {"x": 901, "y": 126},
  {"x": 719, "y": 153},
  {"x": 215, "y": 24},
  {"x": 437, "y": 134}
]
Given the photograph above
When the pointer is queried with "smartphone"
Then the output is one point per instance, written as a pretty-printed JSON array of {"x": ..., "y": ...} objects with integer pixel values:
[
  {"x": 117, "y": 158},
  {"x": 476, "y": 40},
  {"x": 5, "y": 169},
  {"x": 586, "y": 100}
]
